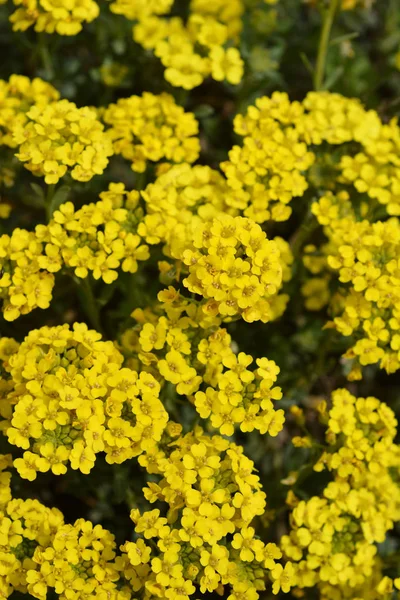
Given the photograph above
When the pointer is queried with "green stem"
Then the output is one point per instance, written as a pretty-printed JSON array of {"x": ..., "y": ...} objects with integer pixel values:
[
  {"x": 46, "y": 56},
  {"x": 305, "y": 230},
  {"x": 141, "y": 181},
  {"x": 49, "y": 197},
  {"x": 328, "y": 20},
  {"x": 90, "y": 305}
]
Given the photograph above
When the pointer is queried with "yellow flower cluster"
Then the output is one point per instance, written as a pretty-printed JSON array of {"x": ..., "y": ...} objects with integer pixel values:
[
  {"x": 375, "y": 171},
  {"x": 25, "y": 282},
  {"x": 151, "y": 128},
  {"x": 236, "y": 269},
  {"x": 283, "y": 153},
  {"x": 265, "y": 173},
  {"x": 103, "y": 237},
  {"x": 17, "y": 96},
  {"x": 177, "y": 204},
  {"x": 206, "y": 539},
  {"x": 61, "y": 136},
  {"x": 166, "y": 338},
  {"x": 54, "y": 16},
  {"x": 365, "y": 256},
  {"x": 190, "y": 351},
  {"x": 68, "y": 397},
  {"x": 243, "y": 396},
  {"x": 40, "y": 553},
  {"x": 333, "y": 537},
  {"x": 205, "y": 542},
  {"x": 113, "y": 73},
  {"x": 182, "y": 199},
  {"x": 193, "y": 50},
  {"x": 98, "y": 238}
]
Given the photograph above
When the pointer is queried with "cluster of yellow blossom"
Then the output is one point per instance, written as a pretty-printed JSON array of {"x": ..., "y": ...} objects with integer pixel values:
[
  {"x": 205, "y": 542},
  {"x": 193, "y": 50},
  {"x": 26, "y": 282},
  {"x": 365, "y": 256},
  {"x": 178, "y": 202},
  {"x": 332, "y": 538},
  {"x": 206, "y": 539},
  {"x": 265, "y": 173},
  {"x": 39, "y": 552},
  {"x": 285, "y": 150},
  {"x": 151, "y": 128},
  {"x": 101, "y": 238},
  {"x": 67, "y": 397},
  {"x": 61, "y": 136},
  {"x": 188, "y": 350},
  {"x": 178, "y": 342},
  {"x": 375, "y": 171},
  {"x": 113, "y": 73},
  {"x": 54, "y": 16},
  {"x": 182, "y": 199},
  {"x": 17, "y": 96},
  {"x": 98, "y": 238},
  {"x": 234, "y": 266},
  {"x": 243, "y": 397}
]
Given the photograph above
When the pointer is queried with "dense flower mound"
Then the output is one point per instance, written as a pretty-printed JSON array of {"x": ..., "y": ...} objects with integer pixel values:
[
  {"x": 193, "y": 50},
  {"x": 17, "y": 96},
  {"x": 236, "y": 268},
  {"x": 333, "y": 537},
  {"x": 178, "y": 202},
  {"x": 206, "y": 542},
  {"x": 266, "y": 172},
  {"x": 363, "y": 186},
  {"x": 40, "y": 553},
  {"x": 60, "y": 136},
  {"x": 203, "y": 544},
  {"x": 177, "y": 342},
  {"x": 286, "y": 149},
  {"x": 199, "y": 300},
  {"x": 151, "y": 128},
  {"x": 69, "y": 397},
  {"x": 363, "y": 255},
  {"x": 107, "y": 237},
  {"x": 98, "y": 239},
  {"x": 64, "y": 18}
]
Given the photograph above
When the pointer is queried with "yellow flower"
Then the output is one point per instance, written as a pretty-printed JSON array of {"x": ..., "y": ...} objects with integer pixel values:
[
  {"x": 283, "y": 578},
  {"x": 226, "y": 65}
]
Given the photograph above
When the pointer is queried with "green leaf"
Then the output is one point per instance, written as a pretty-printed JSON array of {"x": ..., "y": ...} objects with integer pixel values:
[
  {"x": 333, "y": 77},
  {"x": 39, "y": 191},
  {"x": 60, "y": 196},
  {"x": 203, "y": 111},
  {"x": 107, "y": 293},
  {"x": 344, "y": 38}
]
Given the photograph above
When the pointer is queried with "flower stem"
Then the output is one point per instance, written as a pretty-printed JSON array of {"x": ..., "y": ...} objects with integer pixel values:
[
  {"x": 49, "y": 197},
  {"x": 309, "y": 225},
  {"x": 46, "y": 56},
  {"x": 89, "y": 305},
  {"x": 328, "y": 19}
]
